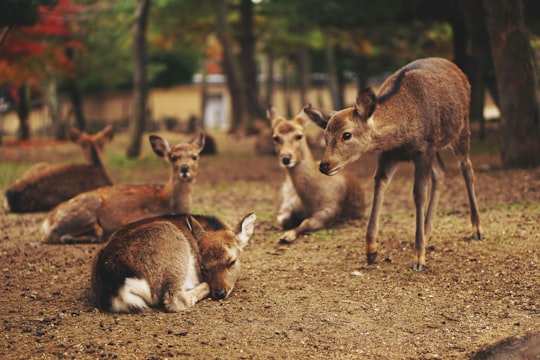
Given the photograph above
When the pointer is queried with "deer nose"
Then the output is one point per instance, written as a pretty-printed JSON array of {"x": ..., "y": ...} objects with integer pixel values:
[
  {"x": 286, "y": 160},
  {"x": 184, "y": 169},
  {"x": 324, "y": 168},
  {"x": 220, "y": 294}
]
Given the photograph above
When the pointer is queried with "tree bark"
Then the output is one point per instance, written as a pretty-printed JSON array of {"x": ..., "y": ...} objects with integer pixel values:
[
  {"x": 247, "y": 41},
  {"x": 302, "y": 64},
  {"x": 23, "y": 111},
  {"x": 269, "y": 94},
  {"x": 234, "y": 80},
  {"x": 140, "y": 85},
  {"x": 59, "y": 128},
  {"x": 332, "y": 70},
  {"x": 517, "y": 83},
  {"x": 75, "y": 96},
  {"x": 480, "y": 64}
]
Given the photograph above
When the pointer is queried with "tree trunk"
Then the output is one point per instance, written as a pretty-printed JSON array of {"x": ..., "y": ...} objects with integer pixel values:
[
  {"x": 247, "y": 42},
  {"x": 23, "y": 111},
  {"x": 234, "y": 80},
  {"x": 302, "y": 64},
  {"x": 140, "y": 86},
  {"x": 480, "y": 65},
  {"x": 75, "y": 96},
  {"x": 517, "y": 82},
  {"x": 269, "y": 94},
  {"x": 59, "y": 128},
  {"x": 332, "y": 75}
]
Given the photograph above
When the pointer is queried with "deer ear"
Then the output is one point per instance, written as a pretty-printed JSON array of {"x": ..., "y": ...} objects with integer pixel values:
[
  {"x": 199, "y": 140},
  {"x": 195, "y": 227},
  {"x": 366, "y": 101},
  {"x": 105, "y": 135},
  {"x": 272, "y": 112},
  {"x": 244, "y": 230},
  {"x": 319, "y": 116},
  {"x": 74, "y": 134},
  {"x": 160, "y": 146}
]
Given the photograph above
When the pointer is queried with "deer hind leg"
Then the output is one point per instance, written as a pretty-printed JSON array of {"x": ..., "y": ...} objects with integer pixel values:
[
  {"x": 437, "y": 180},
  {"x": 386, "y": 168},
  {"x": 461, "y": 150},
  {"x": 423, "y": 166}
]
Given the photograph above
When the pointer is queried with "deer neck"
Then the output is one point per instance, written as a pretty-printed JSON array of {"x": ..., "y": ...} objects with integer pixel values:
[
  {"x": 384, "y": 135},
  {"x": 179, "y": 194},
  {"x": 305, "y": 170},
  {"x": 96, "y": 159}
]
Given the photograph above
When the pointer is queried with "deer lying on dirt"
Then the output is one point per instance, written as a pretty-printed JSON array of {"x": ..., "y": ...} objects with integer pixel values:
[
  {"x": 172, "y": 260},
  {"x": 92, "y": 216},
  {"x": 420, "y": 109},
  {"x": 44, "y": 186},
  {"x": 311, "y": 200}
]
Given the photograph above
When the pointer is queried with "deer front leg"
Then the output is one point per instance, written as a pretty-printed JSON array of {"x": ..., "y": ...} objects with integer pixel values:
[
  {"x": 178, "y": 300},
  {"x": 386, "y": 168},
  {"x": 318, "y": 220},
  {"x": 422, "y": 168}
]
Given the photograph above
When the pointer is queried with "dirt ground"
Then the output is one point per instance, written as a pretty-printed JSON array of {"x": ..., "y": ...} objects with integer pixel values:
[{"x": 314, "y": 299}]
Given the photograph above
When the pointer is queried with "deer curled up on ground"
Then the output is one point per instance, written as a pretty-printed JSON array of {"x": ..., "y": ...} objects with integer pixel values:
[
  {"x": 44, "y": 186},
  {"x": 92, "y": 216},
  {"x": 311, "y": 200},
  {"x": 172, "y": 260},
  {"x": 420, "y": 109}
]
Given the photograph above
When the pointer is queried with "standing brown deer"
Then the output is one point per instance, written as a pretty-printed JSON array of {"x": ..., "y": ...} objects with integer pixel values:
[
  {"x": 171, "y": 260},
  {"x": 44, "y": 186},
  {"x": 92, "y": 216},
  {"x": 311, "y": 200},
  {"x": 420, "y": 109}
]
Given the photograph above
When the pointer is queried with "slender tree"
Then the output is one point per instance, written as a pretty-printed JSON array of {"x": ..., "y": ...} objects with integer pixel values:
[
  {"x": 517, "y": 82},
  {"x": 235, "y": 82},
  {"x": 140, "y": 86}
]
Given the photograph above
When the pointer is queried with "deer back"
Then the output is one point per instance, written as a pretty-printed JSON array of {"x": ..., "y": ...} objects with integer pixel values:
[{"x": 44, "y": 186}]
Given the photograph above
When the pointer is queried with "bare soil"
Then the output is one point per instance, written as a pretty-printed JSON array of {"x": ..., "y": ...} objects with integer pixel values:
[{"x": 314, "y": 299}]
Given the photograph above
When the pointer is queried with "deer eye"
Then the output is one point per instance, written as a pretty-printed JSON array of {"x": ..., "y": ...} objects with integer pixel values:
[
  {"x": 173, "y": 157},
  {"x": 298, "y": 137},
  {"x": 194, "y": 157},
  {"x": 275, "y": 139},
  {"x": 346, "y": 136},
  {"x": 231, "y": 264}
]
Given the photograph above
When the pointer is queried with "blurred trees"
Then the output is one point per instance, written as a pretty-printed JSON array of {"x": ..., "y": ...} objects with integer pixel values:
[
  {"x": 33, "y": 52},
  {"x": 302, "y": 43}
]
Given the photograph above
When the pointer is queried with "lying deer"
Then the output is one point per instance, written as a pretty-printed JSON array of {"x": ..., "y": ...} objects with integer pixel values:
[
  {"x": 44, "y": 186},
  {"x": 311, "y": 200},
  {"x": 172, "y": 260},
  {"x": 420, "y": 109},
  {"x": 92, "y": 216}
]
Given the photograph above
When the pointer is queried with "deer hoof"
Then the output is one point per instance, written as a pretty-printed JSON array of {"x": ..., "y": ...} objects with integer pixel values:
[
  {"x": 478, "y": 236},
  {"x": 419, "y": 267},
  {"x": 371, "y": 258},
  {"x": 288, "y": 237}
]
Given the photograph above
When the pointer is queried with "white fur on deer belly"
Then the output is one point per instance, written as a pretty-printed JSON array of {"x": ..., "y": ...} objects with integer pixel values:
[
  {"x": 192, "y": 275},
  {"x": 134, "y": 294}
]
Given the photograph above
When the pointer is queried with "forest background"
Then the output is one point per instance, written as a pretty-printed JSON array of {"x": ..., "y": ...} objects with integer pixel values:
[{"x": 62, "y": 49}]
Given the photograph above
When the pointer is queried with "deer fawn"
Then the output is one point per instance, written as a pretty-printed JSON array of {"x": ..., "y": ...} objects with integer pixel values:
[
  {"x": 92, "y": 216},
  {"x": 420, "y": 109},
  {"x": 311, "y": 200},
  {"x": 44, "y": 186},
  {"x": 171, "y": 260}
]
